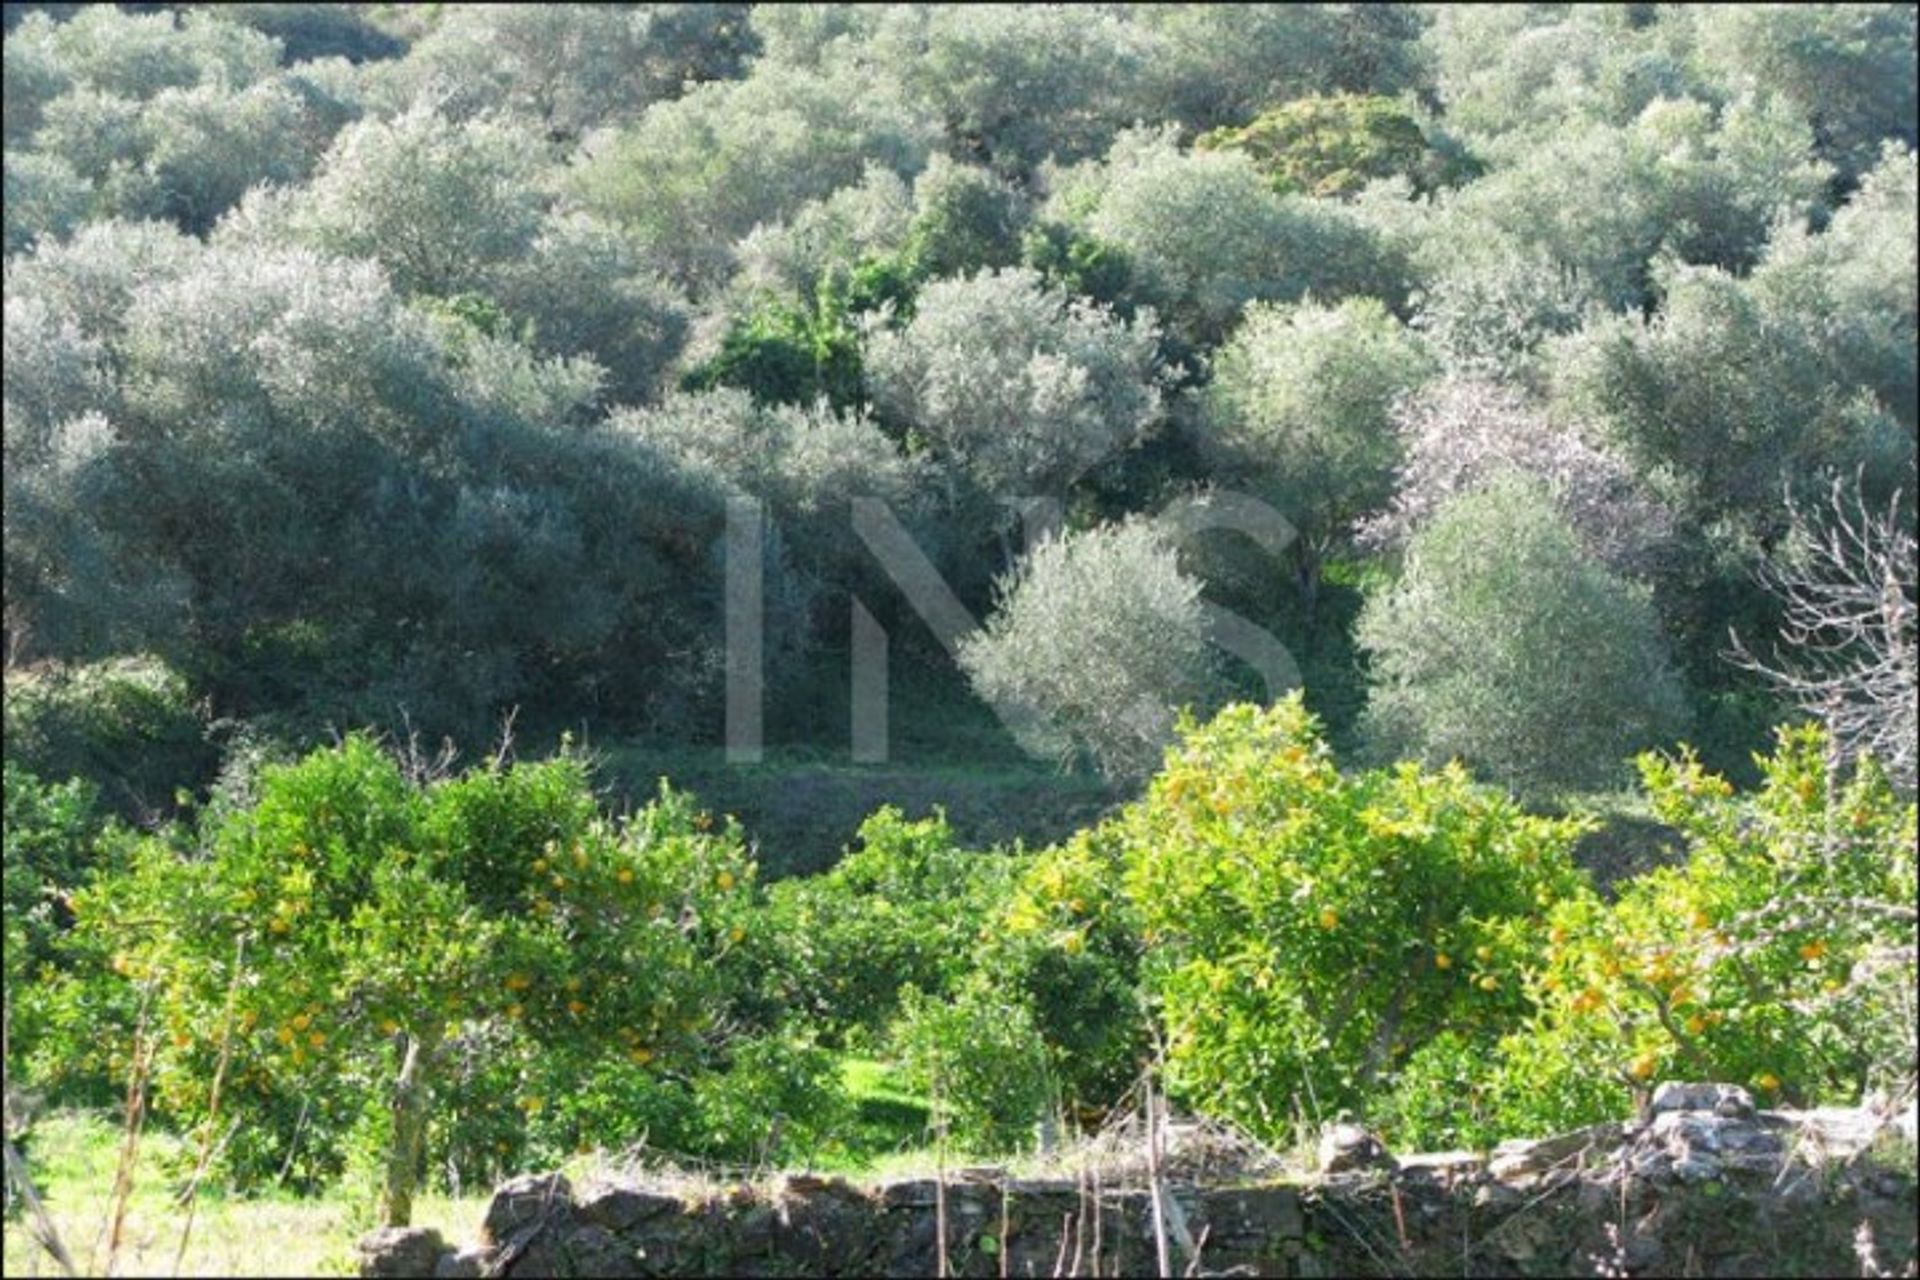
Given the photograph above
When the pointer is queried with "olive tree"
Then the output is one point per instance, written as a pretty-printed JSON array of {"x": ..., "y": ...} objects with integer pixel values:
[
  {"x": 437, "y": 204},
  {"x": 1506, "y": 646},
  {"x": 1300, "y": 407},
  {"x": 1096, "y": 641},
  {"x": 1206, "y": 233},
  {"x": 694, "y": 175},
  {"x": 1021, "y": 387}
]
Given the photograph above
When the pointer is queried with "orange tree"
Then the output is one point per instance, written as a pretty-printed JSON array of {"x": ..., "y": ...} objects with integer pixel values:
[
  {"x": 1304, "y": 931},
  {"x": 351, "y": 933},
  {"x": 1779, "y": 954}
]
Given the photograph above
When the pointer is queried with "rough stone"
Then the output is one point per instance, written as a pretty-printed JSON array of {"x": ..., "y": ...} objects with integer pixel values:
[
  {"x": 400, "y": 1251},
  {"x": 620, "y": 1208},
  {"x": 1727, "y": 1100},
  {"x": 1351, "y": 1148},
  {"x": 1703, "y": 1191},
  {"x": 524, "y": 1200},
  {"x": 463, "y": 1264}
]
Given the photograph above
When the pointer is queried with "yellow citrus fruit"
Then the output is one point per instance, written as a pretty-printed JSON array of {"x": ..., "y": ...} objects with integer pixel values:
[
  {"x": 1696, "y": 1024},
  {"x": 1644, "y": 1066},
  {"x": 389, "y": 1026},
  {"x": 1483, "y": 954},
  {"x": 514, "y": 1010},
  {"x": 736, "y": 933},
  {"x": 724, "y": 880},
  {"x": 539, "y": 866},
  {"x": 1443, "y": 961},
  {"x": 625, "y": 875},
  {"x": 518, "y": 982},
  {"x": 301, "y": 1021},
  {"x": 576, "y": 1007},
  {"x": 641, "y": 1057},
  {"x": 1767, "y": 1082},
  {"x": 1329, "y": 919},
  {"x": 1813, "y": 950},
  {"x": 559, "y": 882},
  {"x": 1489, "y": 983},
  {"x": 278, "y": 924},
  {"x": 317, "y": 1040}
]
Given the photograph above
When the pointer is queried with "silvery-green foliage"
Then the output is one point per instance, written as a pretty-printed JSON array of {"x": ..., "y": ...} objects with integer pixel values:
[
  {"x": 91, "y": 278},
  {"x": 564, "y": 68},
  {"x": 585, "y": 292},
  {"x": 1603, "y": 201},
  {"x": 1012, "y": 84},
  {"x": 328, "y": 346},
  {"x": 45, "y": 199},
  {"x": 56, "y": 372},
  {"x": 1853, "y": 287},
  {"x": 1022, "y": 387},
  {"x": 791, "y": 257},
  {"x": 1532, "y": 69},
  {"x": 1506, "y": 646},
  {"x": 186, "y": 154},
  {"x": 1849, "y": 70},
  {"x": 1206, "y": 233},
  {"x": 964, "y": 218},
  {"x": 1214, "y": 65},
  {"x": 805, "y": 464},
  {"x": 1459, "y": 433},
  {"x": 437, "y": 204},
  {"x": 33, "y": 78},
  {"x": 694, "y": 175},
  {"x": 137, "y": 55},
  {"x": 1096, "y": 641},
  {"x": 203, "y": 147},
  {"x": 101, "y": 136},
  {"x": 1487, "y": 304},
  {"x": 1300, "y": 407},
  {"x": 1720, "y": 399},
  {"x": 806, "y": 35},
  {"x": 70, "y": 591}
]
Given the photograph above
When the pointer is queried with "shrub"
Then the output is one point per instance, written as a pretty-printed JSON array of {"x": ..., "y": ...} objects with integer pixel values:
[
  {"x": 130, "y": 727},
  {"x": 356, "y": 927},
  {"x": 902, "y": 909},
  {"x": 1096, "y": 641},
  {"x": 1506, "y": 646},
  {"x": 1206, "y": 234},
  {"x": 1779, "y": 955},
  {"x": 980, "y": 1057},
  {"x": 1307, "y": 932}
]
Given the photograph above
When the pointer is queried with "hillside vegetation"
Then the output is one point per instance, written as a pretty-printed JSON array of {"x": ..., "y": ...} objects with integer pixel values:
[{"x": 793, "y": 584}]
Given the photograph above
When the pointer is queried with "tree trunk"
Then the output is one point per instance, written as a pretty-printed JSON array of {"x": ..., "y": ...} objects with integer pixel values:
[
  {"x": 1307, "y": 575},
  {"x": 409, "y": 1115}
]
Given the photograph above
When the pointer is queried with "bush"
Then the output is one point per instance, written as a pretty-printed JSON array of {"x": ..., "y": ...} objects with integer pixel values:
[
  {"x": 130, "y": 727},
  {"x": 1779, "y": 955},
  {"x": 980, "y": 1057},
  {"x": 1307, "y": 932},
  {"x": 357, "y": 928},
  {"x": 1096, "y": 641},
  {"x": 1506, "y": 646},
  {"x": 904, "y": 908}
]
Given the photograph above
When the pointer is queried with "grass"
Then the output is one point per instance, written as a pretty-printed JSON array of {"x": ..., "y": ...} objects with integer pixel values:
[{"x": 72, "y": 1160}]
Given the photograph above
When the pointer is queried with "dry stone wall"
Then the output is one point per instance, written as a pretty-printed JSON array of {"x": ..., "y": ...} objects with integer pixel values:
[{"x": 1703, "y": 1184}]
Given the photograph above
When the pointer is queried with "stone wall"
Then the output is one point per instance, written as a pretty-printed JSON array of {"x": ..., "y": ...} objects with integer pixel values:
[{"x": 1702, "y": 1185}]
